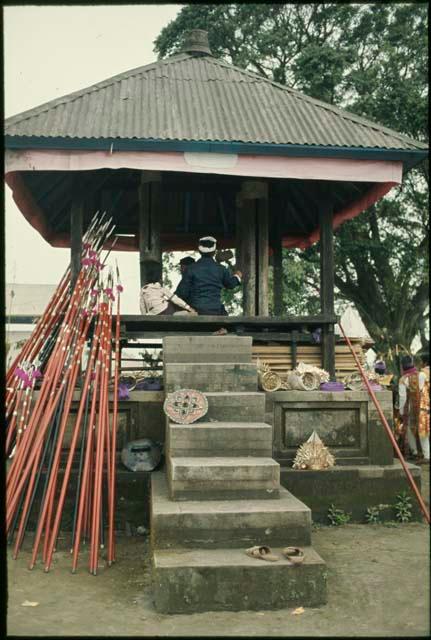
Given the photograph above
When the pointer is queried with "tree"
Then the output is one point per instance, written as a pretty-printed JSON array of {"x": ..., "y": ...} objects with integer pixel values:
[{"x": 371, "y": 59}]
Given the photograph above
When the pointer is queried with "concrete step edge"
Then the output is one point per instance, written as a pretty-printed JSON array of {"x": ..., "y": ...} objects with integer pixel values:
[
  {"x": 225, "y": 461},
  {"x": 217, "y": 558},
  {"x": 221, "y": 425}
]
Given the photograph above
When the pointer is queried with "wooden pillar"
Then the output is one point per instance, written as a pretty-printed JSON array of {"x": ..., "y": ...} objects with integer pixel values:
[
  {"x": 327, "y": 287},
  {"x": 277, "y": 257},
  {"x": 252, "y": 233},
  {"x": 246, "y": 247},
  {"x": 150, "y": 248},
  {"x": 262, "y": 266},
  {"x": 76, "y": 226}
]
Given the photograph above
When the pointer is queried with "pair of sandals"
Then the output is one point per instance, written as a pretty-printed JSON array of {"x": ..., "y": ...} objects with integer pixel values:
[{"x": 295, "y": 555}]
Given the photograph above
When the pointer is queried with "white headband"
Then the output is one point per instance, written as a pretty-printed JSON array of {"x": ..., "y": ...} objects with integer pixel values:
[{"x": 207, "y": 249}]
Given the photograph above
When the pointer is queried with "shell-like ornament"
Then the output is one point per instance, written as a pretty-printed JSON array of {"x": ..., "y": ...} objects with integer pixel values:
[{"x": 313, "y": 455}]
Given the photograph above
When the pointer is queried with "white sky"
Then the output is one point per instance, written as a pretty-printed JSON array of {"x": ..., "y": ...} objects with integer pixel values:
[{"x": 52, "y": 51}]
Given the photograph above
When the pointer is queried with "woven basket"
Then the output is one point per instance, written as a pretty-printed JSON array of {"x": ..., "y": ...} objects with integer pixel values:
[{"x": 270, "y": 381}]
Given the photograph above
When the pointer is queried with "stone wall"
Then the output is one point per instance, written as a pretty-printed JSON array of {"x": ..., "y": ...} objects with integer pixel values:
[{"x": 347, "y": 422}]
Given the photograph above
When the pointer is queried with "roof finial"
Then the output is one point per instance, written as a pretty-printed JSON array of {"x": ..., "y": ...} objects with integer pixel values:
[{"x": 196, "y": 42}]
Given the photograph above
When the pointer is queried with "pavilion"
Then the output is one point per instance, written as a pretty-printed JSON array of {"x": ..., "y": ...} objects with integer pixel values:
[{"x": 191, "y": 145}]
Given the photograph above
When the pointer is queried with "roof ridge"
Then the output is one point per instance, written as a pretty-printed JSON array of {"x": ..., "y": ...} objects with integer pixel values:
[
  {"x": 75, "y": 95},
  {"x": 344, "y": 113}
]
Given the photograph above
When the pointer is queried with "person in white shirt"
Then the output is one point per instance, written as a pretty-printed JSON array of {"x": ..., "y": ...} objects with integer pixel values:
[
  {"x": 411, "y": 387},
  {"x": 157, "y": 300}
]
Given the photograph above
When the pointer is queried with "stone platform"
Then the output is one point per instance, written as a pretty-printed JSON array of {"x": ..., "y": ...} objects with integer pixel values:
[
  {"x": 221, "y": 494},
  {"x": 353, "y": 488}
]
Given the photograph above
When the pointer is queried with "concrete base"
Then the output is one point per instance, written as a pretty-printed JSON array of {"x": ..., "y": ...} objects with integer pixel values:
[
  {"x": 190, "y": 581},
  {"x": 353, "y": 489},
  {"x": 226, "y": 523}
]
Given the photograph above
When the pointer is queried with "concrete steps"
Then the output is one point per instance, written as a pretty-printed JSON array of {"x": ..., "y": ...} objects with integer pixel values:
[
  {"x": 219, "y": 439},
  {"x": 236, "y": 406},
  {"x": 222, "y": 494},
  {"x": 210, "y": 376},
  {"x": 212, "y": 478},
  {"x": 227, "y": 523},
  {"x": 195, "y": 349},
  {"x": 191, "y": 581}
]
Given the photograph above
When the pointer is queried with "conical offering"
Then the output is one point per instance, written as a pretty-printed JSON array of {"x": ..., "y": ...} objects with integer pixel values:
[{"x": 313, "y": 455}]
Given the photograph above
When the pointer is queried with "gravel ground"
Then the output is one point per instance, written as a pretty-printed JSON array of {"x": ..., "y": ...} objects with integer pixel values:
[{"x": 378, "y": 585}]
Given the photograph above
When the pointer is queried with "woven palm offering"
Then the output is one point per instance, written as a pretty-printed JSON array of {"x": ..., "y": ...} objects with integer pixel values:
[
  {"x": 312, "y": 377},
  {"x": 353, "y": 382},
  {"x": 294, "y": 382},
  {"x": 306, "y": 377},
  {"x": 313, "y": 455},
  {"x": 185, "y": 406},
  {"x": 269, "y": 380}
]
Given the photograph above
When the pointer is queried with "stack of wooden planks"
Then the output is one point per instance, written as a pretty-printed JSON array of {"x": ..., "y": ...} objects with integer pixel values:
[{"x": 279, "y": 357}]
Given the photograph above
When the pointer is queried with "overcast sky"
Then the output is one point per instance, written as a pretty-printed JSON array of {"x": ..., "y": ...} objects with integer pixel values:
[{"x": 52, "y": 51}]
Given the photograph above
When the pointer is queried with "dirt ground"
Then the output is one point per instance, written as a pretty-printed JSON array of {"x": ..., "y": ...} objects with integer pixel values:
[{"x": 378, "y": 585}]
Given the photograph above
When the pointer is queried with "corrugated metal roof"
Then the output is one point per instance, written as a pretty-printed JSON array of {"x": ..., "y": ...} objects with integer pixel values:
[{"x": 201, "y": 98}]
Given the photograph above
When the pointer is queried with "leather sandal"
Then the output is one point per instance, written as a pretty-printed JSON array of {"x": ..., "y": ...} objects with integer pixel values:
[
  {"x": 294, "y": 555},
  {"x": 261, "y": 552}
]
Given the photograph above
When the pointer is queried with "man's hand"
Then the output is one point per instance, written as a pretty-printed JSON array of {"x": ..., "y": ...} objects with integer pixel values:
[
  {"x": 193, "y": 312},
  {"x": 238, "y": 273}
]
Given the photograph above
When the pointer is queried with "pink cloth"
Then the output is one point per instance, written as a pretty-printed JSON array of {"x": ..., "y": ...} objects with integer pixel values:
[{"x": 384, "y": 175}]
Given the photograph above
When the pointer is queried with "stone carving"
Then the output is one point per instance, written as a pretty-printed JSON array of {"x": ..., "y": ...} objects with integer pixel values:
[
  {"x": 313, "y": 455},
  {"x": 185, "y": 405}
]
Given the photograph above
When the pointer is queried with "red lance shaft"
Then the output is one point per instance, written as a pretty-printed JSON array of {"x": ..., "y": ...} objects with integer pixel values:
[
  {"x": 32, "y": 438},
  {"x": 111, "y": 505},
  {"x": 84, "y": 496},
  {"x": 56, "y": 305},
  {"x": 32, "y": 441},
  {"x": 51, "y": 495},
  {"x": 74, "y": 441},
  {"x": 47, "y": 507},
  {"x": 388, "y": 430},
  {"x": 48, "y": 398},
  {"x": 45, "y": 403},
  {"x": 100, "y": 440}
]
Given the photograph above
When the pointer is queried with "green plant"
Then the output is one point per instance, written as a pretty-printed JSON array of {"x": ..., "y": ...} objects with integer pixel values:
[
  {"x": 372, "y": 515},
  {"x": 337, "y": 517},
  {"x": 403, "y": 507}
]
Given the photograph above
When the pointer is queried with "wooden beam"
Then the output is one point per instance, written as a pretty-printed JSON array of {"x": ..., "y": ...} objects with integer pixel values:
[
  {"x": 150, "y": 250},
  {"x": 304, "y": 208},
  {"x": 89, "y": 190},
  {"x": 76, "y": 226},
  {"x": 327, "y": 285}
]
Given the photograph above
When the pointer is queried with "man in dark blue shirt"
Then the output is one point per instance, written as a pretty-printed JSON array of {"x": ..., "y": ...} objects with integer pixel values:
[{"x": 203, "y": 281}]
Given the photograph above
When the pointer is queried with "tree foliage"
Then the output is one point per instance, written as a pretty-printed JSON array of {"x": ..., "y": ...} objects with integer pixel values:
[{"x": 371, "y": 59}]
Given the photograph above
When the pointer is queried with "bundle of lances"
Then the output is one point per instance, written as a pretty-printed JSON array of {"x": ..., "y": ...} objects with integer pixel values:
[{"x": 57, "y": 454}]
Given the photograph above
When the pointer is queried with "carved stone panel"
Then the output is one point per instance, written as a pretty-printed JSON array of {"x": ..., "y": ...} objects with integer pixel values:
[{"x": 341, "y": 426}]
